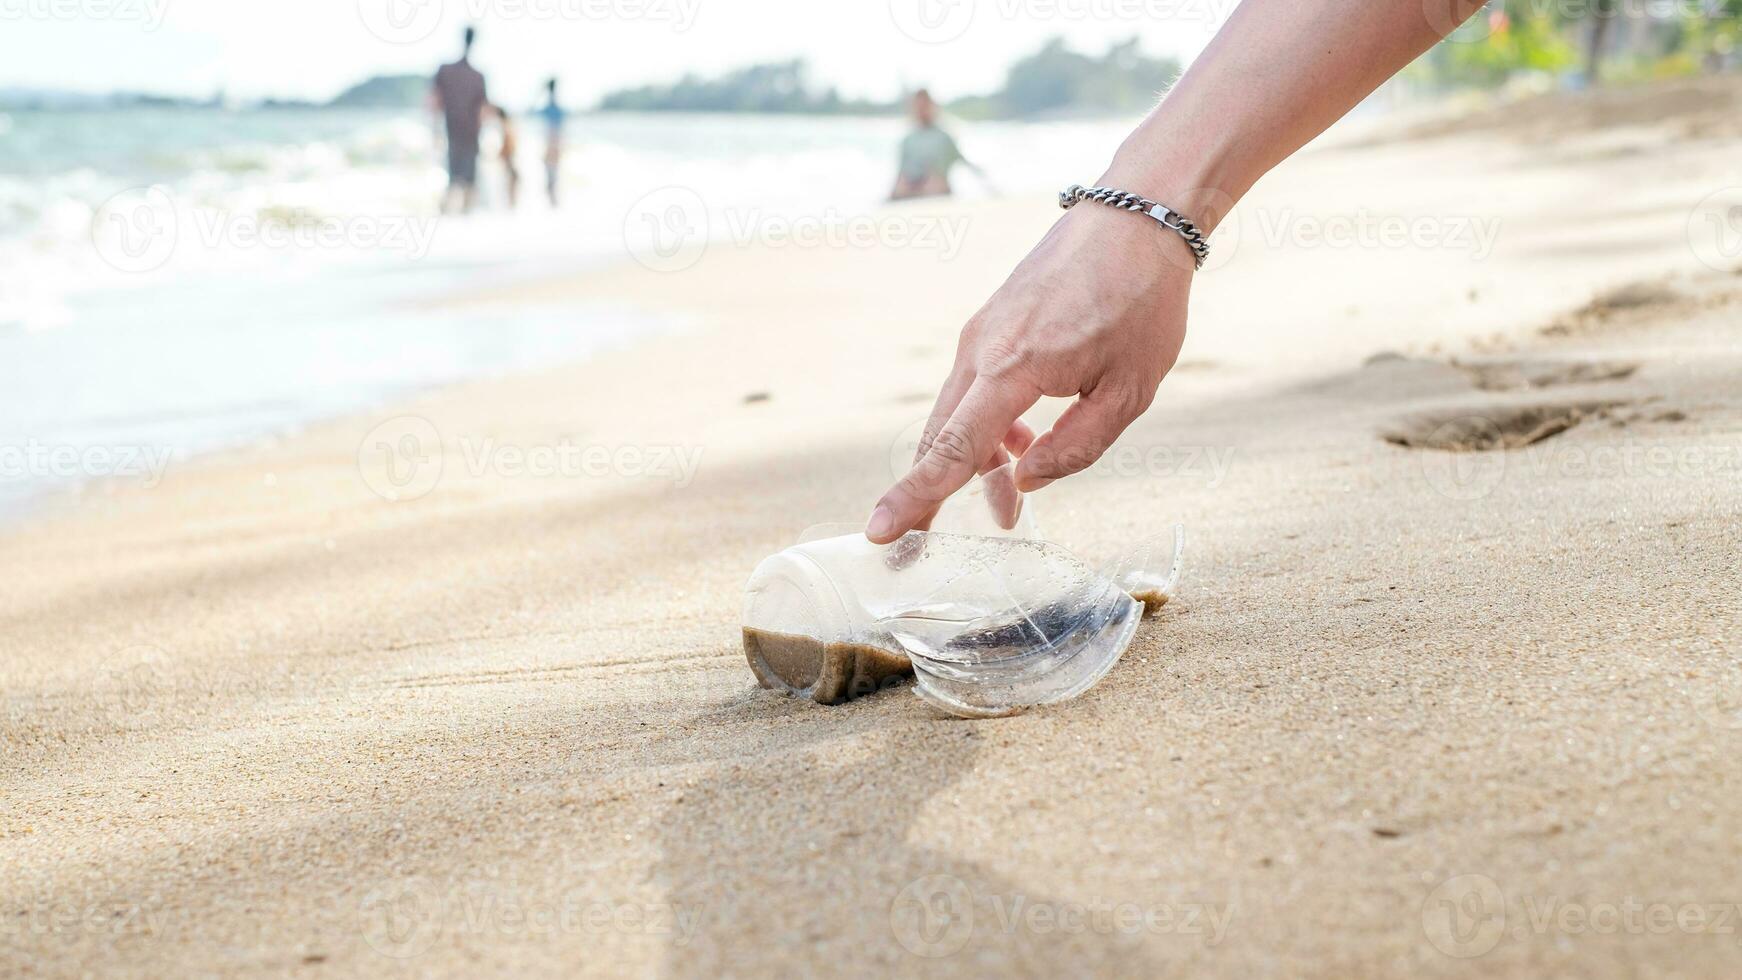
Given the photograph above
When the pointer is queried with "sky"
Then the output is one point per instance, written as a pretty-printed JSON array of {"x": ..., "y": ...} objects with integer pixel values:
[{"x": 315, "y": 48}]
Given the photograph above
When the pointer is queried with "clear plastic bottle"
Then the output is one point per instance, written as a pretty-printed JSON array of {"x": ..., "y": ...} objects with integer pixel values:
[{"x": 990, "y": 618}]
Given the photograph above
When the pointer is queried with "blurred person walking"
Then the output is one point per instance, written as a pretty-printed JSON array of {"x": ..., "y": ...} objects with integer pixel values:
[{"x": 459, "y": 94}]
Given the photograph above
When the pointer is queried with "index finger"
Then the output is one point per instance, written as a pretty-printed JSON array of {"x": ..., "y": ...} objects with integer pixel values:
[{"x": 974, "y": 432}]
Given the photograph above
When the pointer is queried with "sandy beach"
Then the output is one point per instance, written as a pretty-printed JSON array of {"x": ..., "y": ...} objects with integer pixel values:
[{"x": 1451, "y": 686}]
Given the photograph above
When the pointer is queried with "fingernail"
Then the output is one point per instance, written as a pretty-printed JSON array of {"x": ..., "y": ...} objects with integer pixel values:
[
  {"x": 882, "y": 523},
  {"x": 1032, "y": 484}
]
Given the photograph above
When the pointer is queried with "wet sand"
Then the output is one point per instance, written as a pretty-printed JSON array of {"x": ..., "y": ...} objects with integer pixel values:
[
  {"x": 826, "y": 673},
  {"x": 1417, "y": 708}
]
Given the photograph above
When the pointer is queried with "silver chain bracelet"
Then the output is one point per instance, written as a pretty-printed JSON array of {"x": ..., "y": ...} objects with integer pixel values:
[{"x": 1127, "y": 201}]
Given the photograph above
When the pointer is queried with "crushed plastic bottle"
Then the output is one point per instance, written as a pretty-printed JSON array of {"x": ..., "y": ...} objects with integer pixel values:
[{"x": 990, "y": 618}]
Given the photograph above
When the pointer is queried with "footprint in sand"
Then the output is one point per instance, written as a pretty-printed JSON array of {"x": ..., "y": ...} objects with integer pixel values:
[
  {"x": 1464, "y": 425},
  {"x": 1648, "y": 295},
  {"x": 1518, "y": 375},
  {"x": 1464, "y": 429},
  {"x": 1463, "y": 465}
]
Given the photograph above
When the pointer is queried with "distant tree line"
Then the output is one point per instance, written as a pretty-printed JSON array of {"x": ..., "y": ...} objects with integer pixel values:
[
  {"x": 385, "y": 91},
  {"x": 1053, "y": 81},
  {"x": 779, "y": 87},
  {"x": 1058, "y": 81}
]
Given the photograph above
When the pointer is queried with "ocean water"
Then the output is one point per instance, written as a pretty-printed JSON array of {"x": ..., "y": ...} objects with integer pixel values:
[{"x": 179, "y": 280}]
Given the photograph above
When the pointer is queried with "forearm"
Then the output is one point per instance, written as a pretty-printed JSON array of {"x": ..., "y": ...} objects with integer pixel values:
[{"x": 1277, "y": 75}]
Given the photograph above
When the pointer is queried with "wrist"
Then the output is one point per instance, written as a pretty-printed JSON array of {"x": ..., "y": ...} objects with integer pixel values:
[
  {"x": 1132, "y": 240},
  {"x": 1195, "y": 177}
]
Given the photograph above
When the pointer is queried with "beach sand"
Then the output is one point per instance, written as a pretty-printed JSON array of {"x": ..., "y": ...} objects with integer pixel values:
[{"x": 1413, "y": 711}]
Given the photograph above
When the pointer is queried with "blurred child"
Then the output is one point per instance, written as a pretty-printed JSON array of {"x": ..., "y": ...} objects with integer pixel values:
[
  {"x": 508, "y": 151},
  {"x": 553, "y": 139}
]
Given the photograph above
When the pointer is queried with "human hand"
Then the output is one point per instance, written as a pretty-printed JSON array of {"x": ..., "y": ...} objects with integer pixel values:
[{"x": 1096, "y": 310}]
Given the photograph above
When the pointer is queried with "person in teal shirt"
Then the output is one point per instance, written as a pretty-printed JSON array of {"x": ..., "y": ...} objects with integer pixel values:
[{"x": 927, "y": 154}]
